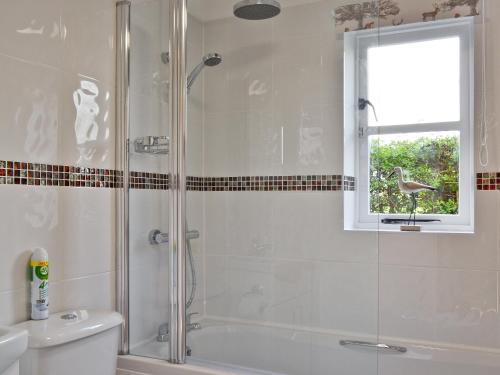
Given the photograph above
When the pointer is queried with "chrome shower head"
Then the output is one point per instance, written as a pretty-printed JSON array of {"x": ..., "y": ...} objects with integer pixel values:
[
  {"x": 210, "y": 59},
  {"x": 256, "y": 9}
]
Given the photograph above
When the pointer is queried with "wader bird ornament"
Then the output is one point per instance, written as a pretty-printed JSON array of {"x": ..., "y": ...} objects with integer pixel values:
[{"x": 411, "y": 188}]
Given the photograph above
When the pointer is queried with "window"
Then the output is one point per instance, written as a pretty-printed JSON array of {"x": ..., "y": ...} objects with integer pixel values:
[{"x": 408, "y": 94}]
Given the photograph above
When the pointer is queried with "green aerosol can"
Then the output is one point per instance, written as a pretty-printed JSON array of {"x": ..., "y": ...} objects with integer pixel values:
[{"x": 39, "y": 267}]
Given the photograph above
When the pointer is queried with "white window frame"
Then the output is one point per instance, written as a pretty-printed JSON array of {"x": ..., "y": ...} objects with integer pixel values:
[{"x": 356, "y": 130}]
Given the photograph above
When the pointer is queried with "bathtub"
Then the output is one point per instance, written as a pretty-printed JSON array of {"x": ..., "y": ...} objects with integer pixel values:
[{"x": 253, "y": 349}]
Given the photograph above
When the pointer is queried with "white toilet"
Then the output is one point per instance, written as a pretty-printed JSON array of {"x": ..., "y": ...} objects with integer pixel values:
[{"x": 79, "y": 342}]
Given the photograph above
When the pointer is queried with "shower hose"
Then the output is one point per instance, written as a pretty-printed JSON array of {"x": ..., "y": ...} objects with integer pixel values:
[{"x": 192, "y": 292}]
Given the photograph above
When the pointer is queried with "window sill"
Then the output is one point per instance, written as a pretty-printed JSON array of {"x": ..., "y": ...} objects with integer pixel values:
[{"x": 425, "y": 229}]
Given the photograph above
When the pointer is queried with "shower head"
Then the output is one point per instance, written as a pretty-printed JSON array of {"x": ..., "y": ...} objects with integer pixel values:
[
  {"x": 256, "y": 9},
  {"x": 210, "y": 59}
]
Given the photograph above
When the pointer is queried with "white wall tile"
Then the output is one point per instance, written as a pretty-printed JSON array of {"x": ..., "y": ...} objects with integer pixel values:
[
  {"x": 89, "y": 292},
  {"x": 47, "y": 50},
  {"x": 87, "y": 248},
  {"x": 29, "y": 111},
  {"x": 464, "y": 251},
  {"x": 225, "y": 146},
  {"x": 243, "y": 138},
  {"x": 442, "y": 305},
  {"x": 31, "y": 220},
  {"x": 14, "y": 306},
  {"x": 309, "y": 19},
  {"x": 89, "y": 38},
  {"x": 492, "y": 83},
  {"x": 244, "y": 79},
  {"x": 345, "y": 296},
  {"x": 31, "y": 30}
]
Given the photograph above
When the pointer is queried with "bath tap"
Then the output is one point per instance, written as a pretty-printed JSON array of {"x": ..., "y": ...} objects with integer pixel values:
[
  {"x": 191, "y": 326},
  {"x": 164, "y": 332}
]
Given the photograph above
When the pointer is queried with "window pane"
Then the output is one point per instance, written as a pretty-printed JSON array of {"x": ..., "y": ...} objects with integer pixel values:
[
  {"x": 428, "y": 158},
  {"x": 413, "y": 83}
]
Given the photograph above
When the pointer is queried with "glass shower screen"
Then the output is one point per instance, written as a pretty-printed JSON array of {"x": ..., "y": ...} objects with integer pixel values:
[
  {"x": 279, "y": 282},
  {"x": 273, "y": 282},
  {"x": 149, "y": 165}
]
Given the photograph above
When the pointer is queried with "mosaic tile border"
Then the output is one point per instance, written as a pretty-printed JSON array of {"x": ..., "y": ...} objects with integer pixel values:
[
  {"x": 147, "y": 180},
  {"x": 39, "y": 174},
  {"x": 273, "y": 183},
  {"x": 488, "y": 181}
]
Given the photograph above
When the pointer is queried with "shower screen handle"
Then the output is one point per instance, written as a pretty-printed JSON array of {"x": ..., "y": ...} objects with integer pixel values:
[
  {"x": 157, "y": 237},
  {"x": 373, "y": 345}
]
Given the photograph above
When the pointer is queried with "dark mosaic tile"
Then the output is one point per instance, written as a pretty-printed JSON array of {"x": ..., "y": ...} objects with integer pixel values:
[
  {"x": 488, "y": 181},
  {"x": 37, "y": 174}
]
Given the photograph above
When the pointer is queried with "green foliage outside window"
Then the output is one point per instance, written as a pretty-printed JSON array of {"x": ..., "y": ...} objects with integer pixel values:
[{"x": 430, "y": 160}]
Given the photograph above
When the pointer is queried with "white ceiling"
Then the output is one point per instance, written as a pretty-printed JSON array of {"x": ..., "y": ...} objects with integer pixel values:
[{"x": 209, "y": 10}]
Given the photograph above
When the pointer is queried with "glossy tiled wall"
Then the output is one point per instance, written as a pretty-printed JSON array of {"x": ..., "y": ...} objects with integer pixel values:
[
  {"x": 57, "y": 64},
  {"x": 275, "y": 107},
  {"x": 269, "y": 257}
]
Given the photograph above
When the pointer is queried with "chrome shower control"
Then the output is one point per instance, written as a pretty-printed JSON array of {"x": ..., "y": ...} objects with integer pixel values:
[{"x": 156, "y": 237}]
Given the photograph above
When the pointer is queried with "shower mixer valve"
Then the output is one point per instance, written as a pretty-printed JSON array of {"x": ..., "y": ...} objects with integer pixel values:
[{"x": 156, "y": 236}]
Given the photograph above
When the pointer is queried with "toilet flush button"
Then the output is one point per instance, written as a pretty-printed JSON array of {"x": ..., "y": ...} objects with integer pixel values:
[{"x": 70, "y": 316}]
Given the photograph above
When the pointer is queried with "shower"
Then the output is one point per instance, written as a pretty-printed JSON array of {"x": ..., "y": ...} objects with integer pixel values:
[
  {"x": 160, "y": 146},
  {"x": 210, "y": 59},
  {"x": 256, "y": 9}
]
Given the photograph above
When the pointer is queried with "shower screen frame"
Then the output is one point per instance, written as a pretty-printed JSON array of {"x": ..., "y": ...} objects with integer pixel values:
[
  {"x": 176, "y": 175},
  {"x": 122, "y": 165}
]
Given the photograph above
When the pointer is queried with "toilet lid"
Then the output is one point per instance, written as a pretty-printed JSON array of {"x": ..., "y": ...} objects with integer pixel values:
[{"x": 66, "y": 326}]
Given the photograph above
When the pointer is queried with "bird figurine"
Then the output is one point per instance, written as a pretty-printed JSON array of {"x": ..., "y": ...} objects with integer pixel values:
[{"x": 411, "y": 188}]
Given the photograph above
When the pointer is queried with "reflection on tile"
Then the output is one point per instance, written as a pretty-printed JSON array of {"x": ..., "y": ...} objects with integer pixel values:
[
  {"x": 88, "y": 122},
  {"x": 29, "y": 110}
]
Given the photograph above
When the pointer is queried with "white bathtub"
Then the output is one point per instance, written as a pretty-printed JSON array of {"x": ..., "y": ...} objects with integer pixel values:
[{"x": 251, "y": 349}]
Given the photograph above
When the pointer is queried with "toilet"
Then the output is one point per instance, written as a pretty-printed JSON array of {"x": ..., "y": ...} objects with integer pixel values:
[{"x": 76, "y": 342}]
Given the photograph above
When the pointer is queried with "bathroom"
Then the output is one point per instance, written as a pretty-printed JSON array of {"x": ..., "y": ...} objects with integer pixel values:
[{"x": 215, "y": 184}]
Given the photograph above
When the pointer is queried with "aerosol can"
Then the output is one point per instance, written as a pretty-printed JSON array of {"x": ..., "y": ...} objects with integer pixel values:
[{"x": 39, "y": 267}]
